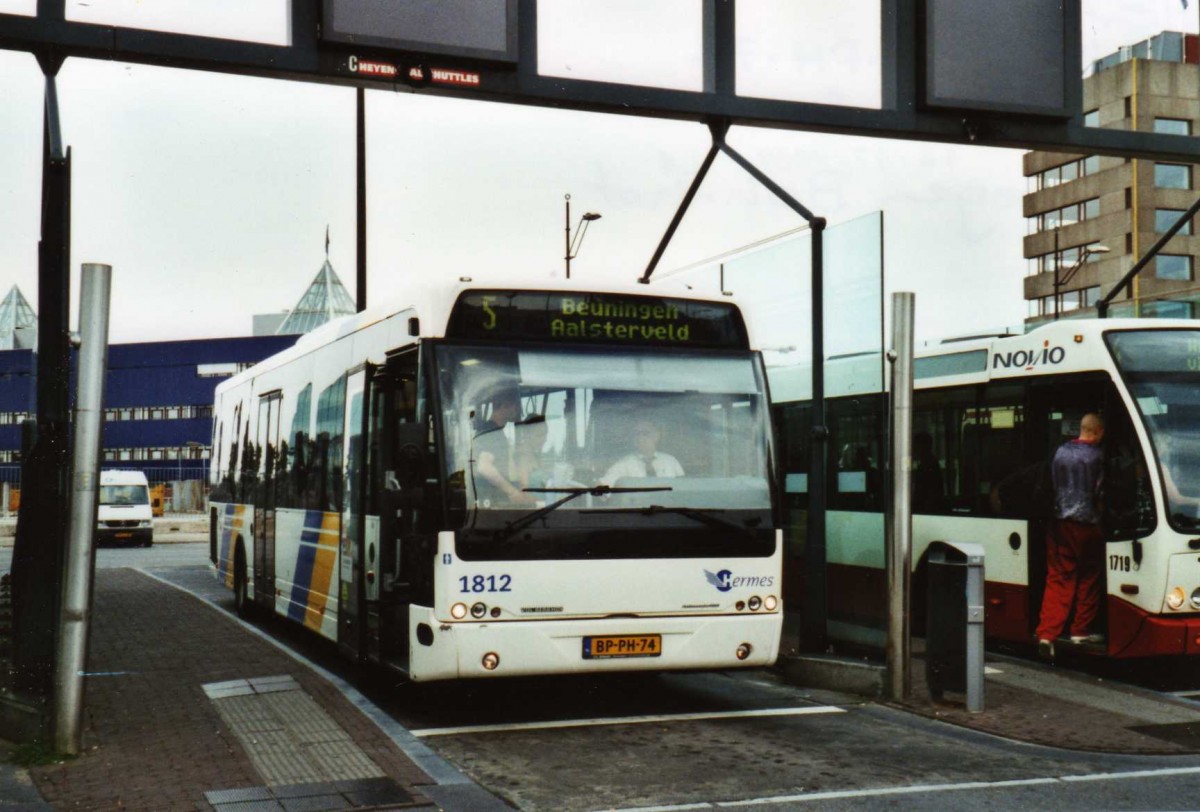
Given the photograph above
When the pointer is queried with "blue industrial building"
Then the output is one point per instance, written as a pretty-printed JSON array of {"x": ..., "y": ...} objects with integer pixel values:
[{"x": 157, "y": 401}]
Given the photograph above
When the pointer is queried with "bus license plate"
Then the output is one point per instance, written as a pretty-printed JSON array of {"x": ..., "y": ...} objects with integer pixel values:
[
  {"x": 124, "y": 535},
  {"x": 622, "y": 645}
]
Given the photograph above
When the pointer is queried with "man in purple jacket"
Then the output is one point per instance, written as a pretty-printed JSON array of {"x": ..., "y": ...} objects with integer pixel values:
[{"x": 1074, "y": 542}]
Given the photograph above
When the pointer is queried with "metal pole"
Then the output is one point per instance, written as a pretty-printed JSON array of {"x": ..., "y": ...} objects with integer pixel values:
[
  {"x": 77, "y": 589},
  {"x": 1057, "y": 263},
  {"x": 899, "y": 524},
  {"x": 360, "y": 152},
  {"x": 567, "y": 238},
  {"x": 814, "y": 621}
]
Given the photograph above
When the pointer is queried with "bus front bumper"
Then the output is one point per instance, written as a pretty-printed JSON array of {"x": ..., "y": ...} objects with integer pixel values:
[{"x": 518, "y": 648}]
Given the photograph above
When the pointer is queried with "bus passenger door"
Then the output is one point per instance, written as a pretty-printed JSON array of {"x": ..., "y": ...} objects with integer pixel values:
[
  {"x": 265, "y": 499},
  {"x": 351, "y": 558},
  {"x": 397, "y": 476}
]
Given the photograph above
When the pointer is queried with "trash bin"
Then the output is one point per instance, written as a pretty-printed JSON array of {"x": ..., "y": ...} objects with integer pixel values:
[{"x": 954, "y": 621}]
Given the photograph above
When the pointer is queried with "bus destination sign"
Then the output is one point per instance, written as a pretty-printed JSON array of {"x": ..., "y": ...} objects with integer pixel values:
[{"x": 596, "y": 318}]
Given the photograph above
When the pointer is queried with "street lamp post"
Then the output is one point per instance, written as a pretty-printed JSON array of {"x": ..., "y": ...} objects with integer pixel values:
[
  {"x": 1064, "y": 279},
  {"x": 573, "y": 246}
]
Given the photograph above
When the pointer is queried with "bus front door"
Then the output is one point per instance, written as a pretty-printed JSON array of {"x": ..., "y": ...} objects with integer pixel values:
[{"x": 397, "y": 474}]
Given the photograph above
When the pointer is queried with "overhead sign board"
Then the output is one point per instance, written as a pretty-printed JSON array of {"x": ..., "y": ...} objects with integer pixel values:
[
  {"x": 479, "y": 29},
  {"x": 1012, "y": 57}
]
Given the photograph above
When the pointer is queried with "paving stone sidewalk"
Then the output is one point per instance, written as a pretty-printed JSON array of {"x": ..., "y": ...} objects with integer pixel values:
[{"x": 153, "y": 739}]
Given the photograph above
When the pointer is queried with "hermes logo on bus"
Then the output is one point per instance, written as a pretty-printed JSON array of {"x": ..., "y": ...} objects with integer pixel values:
[
  {"x": 725, "y": 580},
  {"x": 1046, "y": 356}
]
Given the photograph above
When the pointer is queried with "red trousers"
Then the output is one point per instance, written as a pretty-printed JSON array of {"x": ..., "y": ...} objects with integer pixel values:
[{"x": 1074, "y": 562}]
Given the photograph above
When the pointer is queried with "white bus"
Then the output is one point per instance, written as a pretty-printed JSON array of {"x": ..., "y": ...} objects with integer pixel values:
[
  {"x": 988, "y": 415},
  {"x": 437, "y": 488}
]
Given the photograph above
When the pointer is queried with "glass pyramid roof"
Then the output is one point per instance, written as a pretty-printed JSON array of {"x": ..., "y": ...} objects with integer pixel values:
[
  {"x": 325, "y": 299},
  {"x": 15, "y": 314}
]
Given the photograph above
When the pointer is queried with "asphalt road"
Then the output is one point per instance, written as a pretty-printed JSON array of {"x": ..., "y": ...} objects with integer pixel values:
[
  {"x": 716, "y": 739},
  {"x": 706, "y": 741}
]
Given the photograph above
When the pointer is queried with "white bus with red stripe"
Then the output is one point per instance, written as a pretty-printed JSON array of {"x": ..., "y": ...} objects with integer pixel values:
[
  {"x": 988, "y": 414},
  {"x": 350, "y": 490}
]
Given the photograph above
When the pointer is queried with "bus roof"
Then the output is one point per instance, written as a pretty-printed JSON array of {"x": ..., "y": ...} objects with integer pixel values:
[
  {"x": 432, "y": 302},
  {"x": 1064, "y": 346}
]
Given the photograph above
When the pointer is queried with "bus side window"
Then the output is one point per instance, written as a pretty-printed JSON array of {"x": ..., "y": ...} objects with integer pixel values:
[{"x": 856, "y": 442}]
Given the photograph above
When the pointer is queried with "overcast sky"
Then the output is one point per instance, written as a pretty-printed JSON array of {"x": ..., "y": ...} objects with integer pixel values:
[{"x": 210, "y": 194}]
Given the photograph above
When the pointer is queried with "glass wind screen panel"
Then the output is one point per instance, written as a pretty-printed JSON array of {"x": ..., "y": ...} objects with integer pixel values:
[
  {"x": 628, "y": 42},
  {"x": 265, "y": 21},
  {"x": 810, "y": 51}
]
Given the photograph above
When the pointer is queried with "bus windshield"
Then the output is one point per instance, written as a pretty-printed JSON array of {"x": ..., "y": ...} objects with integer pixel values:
[
  {"x": 124, "y": 495},
  {"x": 678, "y": 438},
  {"x": 1162, "y": 370}
]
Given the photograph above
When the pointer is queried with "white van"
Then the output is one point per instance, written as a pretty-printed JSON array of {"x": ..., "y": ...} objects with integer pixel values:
[{"x": 123, "y": 514}]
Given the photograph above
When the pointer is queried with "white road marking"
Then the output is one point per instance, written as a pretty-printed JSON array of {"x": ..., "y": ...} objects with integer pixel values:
[
  {"x": 1185, "y": 694},
  {"x": 624, "y": 720},
  {"x": 920, "y": 788}
]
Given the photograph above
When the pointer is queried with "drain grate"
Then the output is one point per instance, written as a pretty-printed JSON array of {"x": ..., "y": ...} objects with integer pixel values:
[{"x": 289, "y": 738}]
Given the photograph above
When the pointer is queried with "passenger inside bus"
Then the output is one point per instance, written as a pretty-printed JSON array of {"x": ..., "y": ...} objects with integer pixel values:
[
  {"x": 493, "y": 455},
  {"x": 531, "y": 469}
]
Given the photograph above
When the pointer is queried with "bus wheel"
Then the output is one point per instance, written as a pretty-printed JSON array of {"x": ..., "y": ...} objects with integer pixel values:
[{"x": 241, "y": 597}]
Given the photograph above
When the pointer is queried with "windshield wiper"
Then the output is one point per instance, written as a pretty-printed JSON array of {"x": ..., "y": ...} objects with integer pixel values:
[
  {"x": 705, "y": 517},
  {"x": 520, "y": 524}
]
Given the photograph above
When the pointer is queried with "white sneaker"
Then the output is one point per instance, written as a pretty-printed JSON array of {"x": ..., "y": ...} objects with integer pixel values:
[
  {"x": 1087, "y": 639},
  {"x": 1046, "y": 649}
]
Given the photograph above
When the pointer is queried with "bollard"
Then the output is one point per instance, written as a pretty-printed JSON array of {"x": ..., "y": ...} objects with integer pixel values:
[{"x": 954, "y": 622}]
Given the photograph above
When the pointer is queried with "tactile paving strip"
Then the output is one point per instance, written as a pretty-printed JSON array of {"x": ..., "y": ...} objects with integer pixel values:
[{"x": 287, "y": 735}]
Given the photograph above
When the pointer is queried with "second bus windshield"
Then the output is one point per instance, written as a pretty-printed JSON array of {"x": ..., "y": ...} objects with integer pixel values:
[{"x": 688, "y": 430}]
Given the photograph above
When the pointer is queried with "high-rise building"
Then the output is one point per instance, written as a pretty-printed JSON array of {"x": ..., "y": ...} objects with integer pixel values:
[{"x": 1091, "y": 218}]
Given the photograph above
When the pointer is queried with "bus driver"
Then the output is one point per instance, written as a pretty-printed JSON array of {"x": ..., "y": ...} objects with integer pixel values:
[{"x": 646, "y": 460}]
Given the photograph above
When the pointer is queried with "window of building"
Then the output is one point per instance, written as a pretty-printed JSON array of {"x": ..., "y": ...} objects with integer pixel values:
[
  {"x": 1165, "y": 218},
  {"x": 1091, "y": 118},
  {"x": 1056, "y": 175},
  {"x": 1172, "y": 176},
  {"x": 1067, "y": 215},
  {"x": 1173, "y": 126},
  {"x": 1175, "y": 267}
]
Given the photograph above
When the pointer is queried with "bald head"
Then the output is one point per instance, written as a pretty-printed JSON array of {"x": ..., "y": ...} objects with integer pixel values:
[{"x": 1091, "y": 428}]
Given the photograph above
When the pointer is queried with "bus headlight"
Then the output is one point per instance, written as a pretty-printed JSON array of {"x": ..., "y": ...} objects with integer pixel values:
[
  {"x": 1196, "y": 598},
  {"x": 1176, "y": 597},
  {"x": 770, "y": 603},
  {"x": 478, "y": 610},
  {"x": 458, "y": 611},
  {"x": 755, "y": 603}
]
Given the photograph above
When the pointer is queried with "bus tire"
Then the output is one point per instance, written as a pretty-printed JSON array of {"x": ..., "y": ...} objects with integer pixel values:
[{"x": 242, "y": 602}]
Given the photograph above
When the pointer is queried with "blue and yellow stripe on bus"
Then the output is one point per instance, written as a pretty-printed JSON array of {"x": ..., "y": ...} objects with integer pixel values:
[
  {"x": 316, "y": 561},
  {"x": 233, "y": 523}
]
